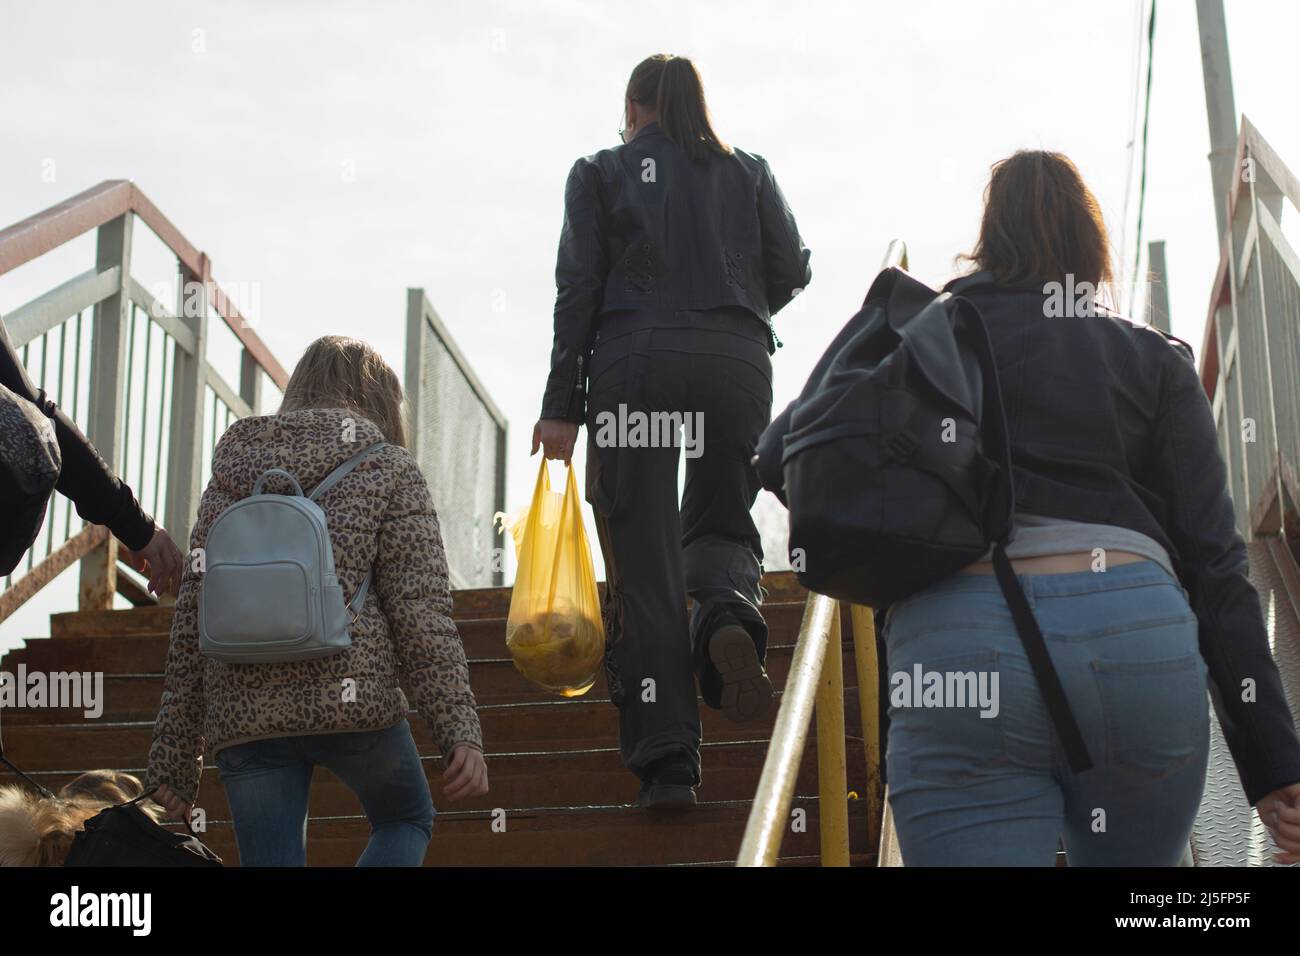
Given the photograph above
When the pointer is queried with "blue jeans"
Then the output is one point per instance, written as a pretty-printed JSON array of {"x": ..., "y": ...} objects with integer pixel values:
[
  {"x": 969, "y": 790},
  {"x": 268, "y": 783}
]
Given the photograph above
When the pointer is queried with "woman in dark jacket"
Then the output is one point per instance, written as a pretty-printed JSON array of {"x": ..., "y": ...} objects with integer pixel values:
[
  {"x": 1127, "y": 548},
  {"x": 676, "y": 251},
  {"x": 100, "y": 496}
]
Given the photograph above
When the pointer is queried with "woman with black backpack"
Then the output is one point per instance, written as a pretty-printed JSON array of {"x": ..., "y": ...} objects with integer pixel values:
[
  {"x": 1127, "y": 549},
  {"x": 676, "y": 251}
]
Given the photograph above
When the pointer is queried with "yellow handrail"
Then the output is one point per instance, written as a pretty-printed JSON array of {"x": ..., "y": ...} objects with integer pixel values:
[
  {"x": 771, "y": 808},
  {"x": 817, "y": 675}
]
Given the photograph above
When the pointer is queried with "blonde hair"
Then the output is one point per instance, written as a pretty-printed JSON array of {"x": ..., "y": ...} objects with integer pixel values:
[
  {"x": 38, "y": 831},
  {"x": 341, "y": 372}
]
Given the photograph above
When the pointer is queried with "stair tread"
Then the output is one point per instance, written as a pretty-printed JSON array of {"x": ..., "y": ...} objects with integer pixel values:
[{"x": 556, "y": 768}]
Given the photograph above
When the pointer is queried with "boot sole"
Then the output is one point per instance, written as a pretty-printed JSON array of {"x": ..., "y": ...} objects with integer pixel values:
[
  {"x": 747, "y": 692},
  {"x": 666, "y": 798}
]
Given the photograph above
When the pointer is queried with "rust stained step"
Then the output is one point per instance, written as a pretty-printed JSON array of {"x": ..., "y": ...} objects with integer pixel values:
[
  {"x": 136, "y": 696},
  {"x": 588, "y": 778},
  {"x": 606, "y": 836},
  {"x": 507, "y": 728},
  {"x": 135, "y": 641}
]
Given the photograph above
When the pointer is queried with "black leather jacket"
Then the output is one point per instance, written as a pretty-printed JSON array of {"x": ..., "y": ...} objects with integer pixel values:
[
  {"x": 1109, "y": 424},
  {"x": 647, "y": 228}
]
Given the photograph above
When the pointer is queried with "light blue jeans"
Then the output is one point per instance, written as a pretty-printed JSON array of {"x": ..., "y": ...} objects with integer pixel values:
[
  {"x": 968, "y": 790},
  {"x": 268, "y": 784}
]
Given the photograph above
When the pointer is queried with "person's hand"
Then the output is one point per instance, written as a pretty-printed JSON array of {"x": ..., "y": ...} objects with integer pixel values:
[
  {"x": 466, "y": 774},
  {"x": 557, "y": 436},
  {"x": 161, "y": 561},
  {"x": 1280, "y": 812},
  {"x": 173, "y": 804}
]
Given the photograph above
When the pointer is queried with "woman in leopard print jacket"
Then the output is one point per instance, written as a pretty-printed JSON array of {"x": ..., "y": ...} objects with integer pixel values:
[{"x": 268, "y": 725}]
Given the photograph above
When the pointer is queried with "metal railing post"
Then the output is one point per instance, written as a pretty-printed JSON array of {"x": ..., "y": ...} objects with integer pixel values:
[
  {"x": 250, "y": 381},
  {"x": 867, "y": 664},
  {"x": 832, "y": 770},
  {"x": 414, "y": 363},
  {"x": 185, "y": 462},
  {"x": 106, "y": 411}
]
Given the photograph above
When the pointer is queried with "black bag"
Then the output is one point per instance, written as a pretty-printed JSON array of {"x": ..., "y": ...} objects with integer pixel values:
[
  {"x": 30, "y": 463},
  {"x": 125, "y": 836},
  {"x": 895, "y": 463}
]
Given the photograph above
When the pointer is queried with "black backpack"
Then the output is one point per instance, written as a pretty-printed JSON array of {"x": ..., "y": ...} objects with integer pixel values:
[{"x": 895, "y": 463}]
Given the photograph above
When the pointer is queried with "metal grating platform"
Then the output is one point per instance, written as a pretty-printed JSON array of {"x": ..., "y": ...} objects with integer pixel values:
[{"x": 1227, "y": 832}]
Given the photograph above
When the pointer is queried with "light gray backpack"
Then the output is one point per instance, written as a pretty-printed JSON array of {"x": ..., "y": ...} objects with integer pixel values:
[{"x": 269, "y": 593}]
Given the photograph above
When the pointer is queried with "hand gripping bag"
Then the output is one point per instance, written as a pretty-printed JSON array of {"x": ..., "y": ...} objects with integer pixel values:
[{"x": 554, "y": 632}]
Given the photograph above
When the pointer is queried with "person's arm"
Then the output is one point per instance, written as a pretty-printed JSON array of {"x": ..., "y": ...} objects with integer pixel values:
[
  {"x": 1189, "y": 475},
  {"x": 176, "y": 754},
  {"x": 411, "y": 583},
  {"x": 100, "y": 496},
  {"x": 580, "y": 271},
  {"x": 786, "y": 269}
]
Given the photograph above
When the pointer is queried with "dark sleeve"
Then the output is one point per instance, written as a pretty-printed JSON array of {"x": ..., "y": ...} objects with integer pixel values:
[
  {"x": 786, "y": 271},
  {"x": 580, "y": 271},
  {"x": 100, "y": 496},
  {"x": 1189, "y": 474}
]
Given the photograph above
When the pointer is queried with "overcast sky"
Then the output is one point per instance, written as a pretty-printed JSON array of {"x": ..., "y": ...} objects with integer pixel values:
[{"x": 329, "y": 155}]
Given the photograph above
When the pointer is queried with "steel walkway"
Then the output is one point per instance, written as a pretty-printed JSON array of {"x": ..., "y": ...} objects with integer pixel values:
[{"x": 1227, "y": 831}]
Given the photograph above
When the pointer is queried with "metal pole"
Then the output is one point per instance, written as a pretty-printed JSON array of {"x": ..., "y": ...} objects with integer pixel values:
[
  {"x": 867, "y": 664},
  {"x": 769, "y": 815},
  {"x": 1158, "y": 287},
  {"x": 832, "y": 770},
  {"x": 1220, "y": 108},
  {"x": 108, "y": 388}
]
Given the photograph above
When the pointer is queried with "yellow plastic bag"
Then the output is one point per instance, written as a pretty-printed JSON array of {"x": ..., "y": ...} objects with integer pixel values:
[{"x": 554, "y": 632}]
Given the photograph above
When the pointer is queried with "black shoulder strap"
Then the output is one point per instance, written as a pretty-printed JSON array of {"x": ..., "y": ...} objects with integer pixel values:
[{"x": 1031, "y": 637}]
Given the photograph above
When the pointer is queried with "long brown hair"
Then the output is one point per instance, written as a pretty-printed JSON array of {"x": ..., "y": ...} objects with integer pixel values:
[
  {"x": 341, "y": 372},
  {"x": 1041, "y": 223},
  {"x": 672, "y": 85}
]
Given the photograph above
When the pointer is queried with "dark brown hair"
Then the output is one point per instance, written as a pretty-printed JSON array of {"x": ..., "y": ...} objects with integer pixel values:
[
  {"x": 1041, "y": 223},
  {"x": 671, "y": 84}
]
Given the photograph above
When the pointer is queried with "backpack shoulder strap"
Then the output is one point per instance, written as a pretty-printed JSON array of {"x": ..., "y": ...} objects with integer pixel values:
[
  {"x": 333, "y": 478},
  {"x": 342, "y": 471}
]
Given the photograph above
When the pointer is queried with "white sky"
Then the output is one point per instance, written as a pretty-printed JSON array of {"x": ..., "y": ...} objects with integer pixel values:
[{"x": 461, "y": 119}]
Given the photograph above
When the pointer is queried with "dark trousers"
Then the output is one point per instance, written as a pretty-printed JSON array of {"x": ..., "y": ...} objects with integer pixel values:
[{"x": 713, "y": 370}]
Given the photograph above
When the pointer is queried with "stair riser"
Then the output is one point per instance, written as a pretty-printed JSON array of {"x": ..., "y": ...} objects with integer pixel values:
[
  {"x": 539, "y": 727},
  {"x": 472, "y": 843},
  {"x": 494, "y": 682},
  {"x": 597, "y": 778},
  {"x": 116, "y": 642}
]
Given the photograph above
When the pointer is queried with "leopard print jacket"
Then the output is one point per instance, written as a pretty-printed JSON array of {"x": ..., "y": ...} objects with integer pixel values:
[{"x": 380, "y": 516}]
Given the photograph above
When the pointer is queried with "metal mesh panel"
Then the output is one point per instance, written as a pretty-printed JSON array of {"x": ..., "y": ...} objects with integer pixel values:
[
  {"x": 1282, "y": 310},
  {"x": 1227, "y": 832},
  {"x": 460, "y": 448}
]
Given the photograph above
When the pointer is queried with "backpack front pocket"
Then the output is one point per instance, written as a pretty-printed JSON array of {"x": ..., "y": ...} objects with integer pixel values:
[{"x": 271, "y": 603}]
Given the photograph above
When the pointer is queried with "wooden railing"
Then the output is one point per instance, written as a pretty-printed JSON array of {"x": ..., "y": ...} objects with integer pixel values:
[{"x": 132, "y": 372}]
